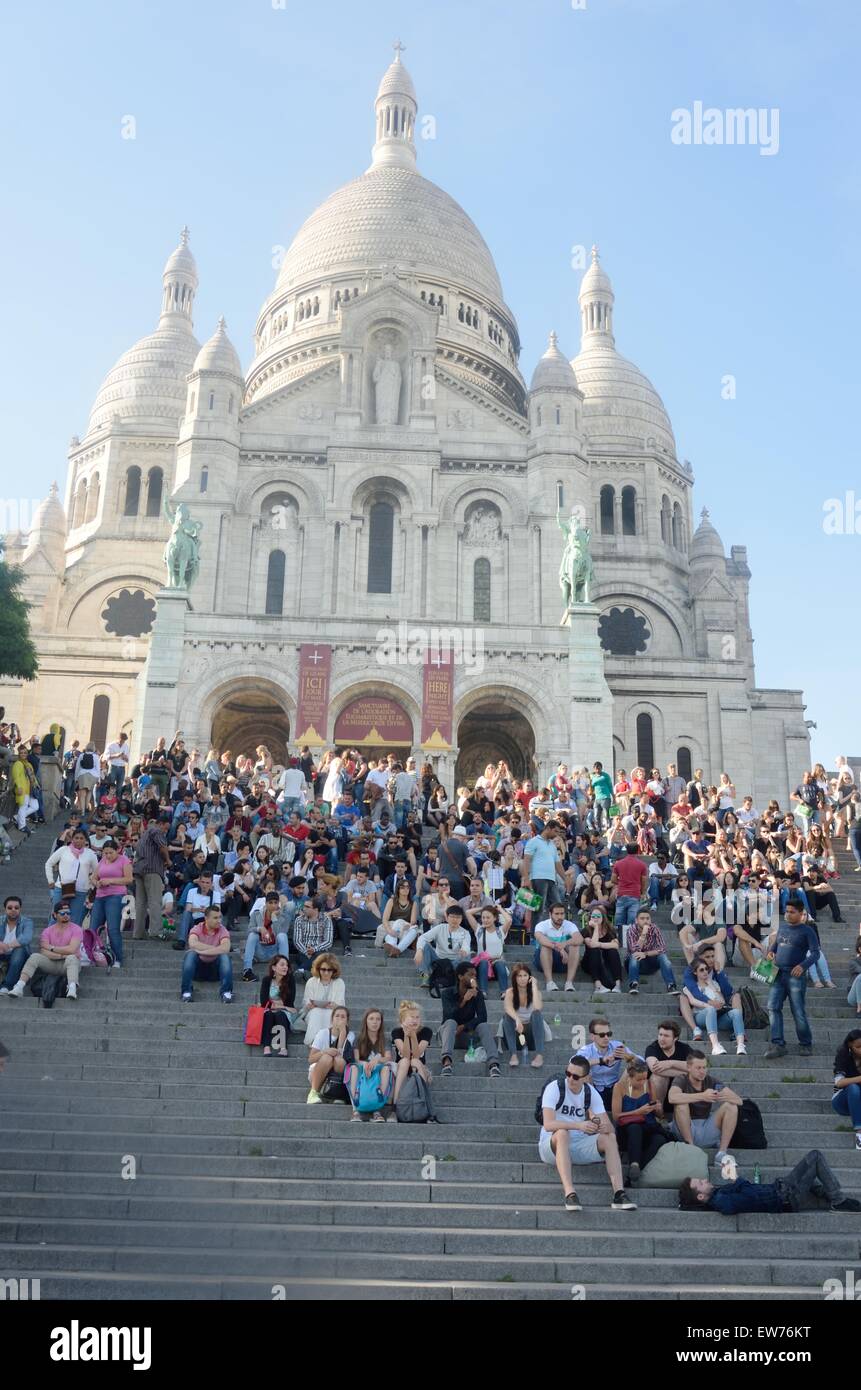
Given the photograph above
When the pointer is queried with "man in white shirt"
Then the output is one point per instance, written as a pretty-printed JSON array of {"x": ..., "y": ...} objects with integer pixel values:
[
  {"x": 206, "y": 892},
  {"x": 293, "y": 790},
  {"x": 449, "y": 941},
  {"x": 662, "y": 875},
  {"x": 747, "y": 815},
  {"x": 575, "y": 1128},
  {"x": 558, "y": 944},
  {"x": 116, "y": 755},
  {"x": 405, "y": 790}
]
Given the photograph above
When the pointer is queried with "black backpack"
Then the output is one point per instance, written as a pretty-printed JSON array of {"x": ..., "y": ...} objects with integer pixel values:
[
  {"x": 87, "y": 762},
  {"x": 48, "y": 988},
  {"x": 560, "y": 1082},
  {"x": 442, "y": 977},
  {"x": 749, "y": 1130},
  {"x": 752, "y": 1011}
]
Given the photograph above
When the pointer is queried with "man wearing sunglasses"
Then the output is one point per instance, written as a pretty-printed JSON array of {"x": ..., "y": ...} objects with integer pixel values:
[
  {"x": 575, "y": 1129},
  {"x": 607, "y": 1058},
  {"x": 57, "y": 955}
]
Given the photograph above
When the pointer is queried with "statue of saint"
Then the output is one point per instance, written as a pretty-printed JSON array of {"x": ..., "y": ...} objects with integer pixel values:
[
  {"x": 182, "y": 552},
  {"x": 576, "y": 571},
  {"x": 387, "y": 387}
]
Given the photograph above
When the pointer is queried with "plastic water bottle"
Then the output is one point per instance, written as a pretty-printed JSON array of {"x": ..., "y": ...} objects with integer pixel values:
[
  {"x": 557, "y": 1019},
  {"x": 470, "y": 1052},
  {"x": 757, "y": 1173}
]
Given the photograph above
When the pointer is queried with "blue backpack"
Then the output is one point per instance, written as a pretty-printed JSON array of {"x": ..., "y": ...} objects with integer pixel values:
[{"x": 369, "y": 1097}]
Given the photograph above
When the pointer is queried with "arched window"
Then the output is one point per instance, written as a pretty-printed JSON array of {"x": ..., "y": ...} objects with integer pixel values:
[
  {"x": 275, "y": 583},
  {"x": 558, "y": 416},
  {"x": 380, "y": 537},
  {"x": 677, "y": 526},
  {"x": 204, "y": 479},
  {"x": 629, "y": 511},
  {"x": 481, "y": 591},
  {"x": 608, "y": 520},
  {"x": 645, "y": 742},
  {"x": 93, "y": 498},
  {"x": 212, "y": 400},
  {"x": 133, "y": 492},
  {"x": 683, "y": 763},
  {"x": 666, "y": 520},
  {"x": 154, "y": 485},
  {"x": 99, "y": 722},
  {"x": 80, "y": 513}
]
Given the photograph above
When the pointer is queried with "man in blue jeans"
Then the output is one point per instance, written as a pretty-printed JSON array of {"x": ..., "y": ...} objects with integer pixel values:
[
  {"x": 16, "y": 935},
  {"x": 208, "y": 956},
  {"x": 647, "y": 952},
  {"x": 794, "y": 947},
  {"x": 602, "y": 790},
  {"x": 630, "y": 878},
  {"x": 541, "y": 858}
]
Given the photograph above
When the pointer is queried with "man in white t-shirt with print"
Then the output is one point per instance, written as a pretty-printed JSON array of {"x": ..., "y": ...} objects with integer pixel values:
[
  {"x": 575, "y": 1129},
  {"x": 116, "y": 755},
  {"x": 558, "y": 944}
]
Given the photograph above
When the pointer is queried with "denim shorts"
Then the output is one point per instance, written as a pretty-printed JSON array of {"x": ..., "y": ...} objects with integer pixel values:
[
  {"x": 704, "y": 1133},
  {"x": 582, "y": 1147}
]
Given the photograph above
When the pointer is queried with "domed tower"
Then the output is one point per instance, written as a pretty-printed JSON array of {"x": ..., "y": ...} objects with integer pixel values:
[
  {"x": 556, "y": 431},
  {"x": 125, "y": 462}
]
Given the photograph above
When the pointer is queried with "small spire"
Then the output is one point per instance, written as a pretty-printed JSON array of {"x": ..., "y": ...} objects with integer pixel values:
[
  {"x": 704, "y": 514},
  {"x": 399, "y": 49},
  {"x": 222, "y": 325},
  {"x": 53, "y": 490},
  {"x": 184, "y": 235},
  {"x": 594, "y": 253},
  {"x": 554, "y": 341}
]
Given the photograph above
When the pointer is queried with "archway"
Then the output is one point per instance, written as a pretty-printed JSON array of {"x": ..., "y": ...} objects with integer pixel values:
[
  {"x": 248, "y": 716},
  {"x": 494, "y": 729}
]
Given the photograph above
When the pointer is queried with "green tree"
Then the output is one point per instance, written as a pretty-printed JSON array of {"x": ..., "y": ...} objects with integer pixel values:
[{"x": 17, "y": 653}]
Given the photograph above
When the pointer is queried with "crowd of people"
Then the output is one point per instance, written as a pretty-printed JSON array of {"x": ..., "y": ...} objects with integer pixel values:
[{"x": 317, "y": 854}]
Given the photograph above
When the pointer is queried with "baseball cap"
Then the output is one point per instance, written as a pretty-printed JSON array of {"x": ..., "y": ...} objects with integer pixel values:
[{"x": 460, "y": 830}]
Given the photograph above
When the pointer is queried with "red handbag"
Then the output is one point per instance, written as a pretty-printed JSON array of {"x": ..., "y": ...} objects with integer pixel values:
[{"x": 254, "y": 1025}]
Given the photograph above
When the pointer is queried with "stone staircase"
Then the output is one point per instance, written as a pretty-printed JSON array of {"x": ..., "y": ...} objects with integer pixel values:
[{"x": 147, "y": 1153}]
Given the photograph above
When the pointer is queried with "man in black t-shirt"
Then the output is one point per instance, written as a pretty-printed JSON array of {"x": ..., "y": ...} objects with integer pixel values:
[{"x": 666, "y": 1058}]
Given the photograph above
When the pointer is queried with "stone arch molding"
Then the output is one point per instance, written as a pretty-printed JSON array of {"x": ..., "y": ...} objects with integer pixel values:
[
  {"x": 526, "y": 695},
  {"x": 658, "y": 735},
  {"x": 389, "y": 684},
  {"x": 308, "y": 495},
  {"x": 457, "y": 500},
  {"x": 114, "y": 580},
  {"x": 388, "y": 306},
  {"x": 197, "y": 706},
  {"x": 643, "y": 595},
  {"x": 383, "y": 478}
]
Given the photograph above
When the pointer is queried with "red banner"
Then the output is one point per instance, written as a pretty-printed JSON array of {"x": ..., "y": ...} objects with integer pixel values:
[
  {"x": 438, "y": 700},
  {"x": 373, "y": 720},
  {"x": 312, "y": 706}
]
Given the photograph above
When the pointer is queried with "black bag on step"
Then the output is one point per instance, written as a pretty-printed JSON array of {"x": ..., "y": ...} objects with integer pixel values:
[
  {"x": 749, "y": 1131},
  {"x": 48, "y": 988},
  {"x": 752, "y": 1011},
  {"x": 442, "y": 977}
]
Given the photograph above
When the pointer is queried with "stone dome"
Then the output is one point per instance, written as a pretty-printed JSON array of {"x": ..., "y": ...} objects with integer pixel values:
[
  {"x": 621, "y": 405},
  {"x": 391, "y": 215},
  {"x": 148, "y": 382},
  {"x": 396, "y": 81},
  {"x": 48, "y": 531},
  {"x": 706, "y": 543},
  {"x": 218, "y": 354},
  {"x": 553, "y": 372}
]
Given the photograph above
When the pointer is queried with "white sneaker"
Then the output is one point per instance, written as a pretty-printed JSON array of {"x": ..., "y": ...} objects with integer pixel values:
[
  {"x": 697, "y": 1035},
  {"x": 117, "y": 965},
  {"x": 617, "y": 988},
  {"x": 718, "y": 1050},
  {"x": 741, "y": 1048},
  {"x": 569, "y": 987},
  {"x": 600, "y": 989},
  {"x": 4, "y": 990},
  {"x": 72, "y": 991},
  {"x": 17, "y": 991},
  {"x": 548, "y": 989}
]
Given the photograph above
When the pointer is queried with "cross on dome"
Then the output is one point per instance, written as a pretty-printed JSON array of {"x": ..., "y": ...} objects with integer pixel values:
[
  {"x": 184, "y": 235},
  {"x": 399, "y": 49}
]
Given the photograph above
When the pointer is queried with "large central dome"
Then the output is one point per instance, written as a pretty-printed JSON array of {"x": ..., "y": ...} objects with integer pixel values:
[{"x": 392, "y": 216}]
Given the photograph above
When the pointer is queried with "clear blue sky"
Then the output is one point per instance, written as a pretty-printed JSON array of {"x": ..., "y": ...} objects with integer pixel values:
[{"x": 553, "y": 130}]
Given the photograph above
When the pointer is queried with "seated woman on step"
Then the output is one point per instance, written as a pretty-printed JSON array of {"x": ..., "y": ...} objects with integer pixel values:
[
  {"x": 331, "y": 1053},
  {"x": 370, "y": 1077}
]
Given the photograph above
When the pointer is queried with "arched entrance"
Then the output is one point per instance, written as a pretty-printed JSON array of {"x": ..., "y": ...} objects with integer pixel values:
[
  {"x": 250, "y": 715},
  {"x": 494, "y": 729}
]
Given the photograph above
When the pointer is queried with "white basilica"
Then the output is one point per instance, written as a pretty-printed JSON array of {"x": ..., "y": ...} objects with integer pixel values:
[{"x": 384, "y": 460}]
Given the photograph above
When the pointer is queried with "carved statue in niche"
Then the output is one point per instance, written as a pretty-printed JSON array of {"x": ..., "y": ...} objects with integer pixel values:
[
  {"x": 482, "y": 526},
  {"x": 387, "y": 387}
]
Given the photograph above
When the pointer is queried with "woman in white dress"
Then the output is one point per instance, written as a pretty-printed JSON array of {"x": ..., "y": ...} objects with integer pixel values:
[
  {"x": 323, "y": 992},
  {"x": 334, "y": 783}
]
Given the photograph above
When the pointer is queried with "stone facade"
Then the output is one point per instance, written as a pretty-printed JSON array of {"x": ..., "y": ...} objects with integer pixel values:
[{"x": 339, "y": 498}]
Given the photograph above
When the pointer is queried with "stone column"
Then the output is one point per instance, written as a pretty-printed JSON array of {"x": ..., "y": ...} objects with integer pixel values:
[
  {"x": 591, "y": 703},
  {"x": 157, "y": 683}
]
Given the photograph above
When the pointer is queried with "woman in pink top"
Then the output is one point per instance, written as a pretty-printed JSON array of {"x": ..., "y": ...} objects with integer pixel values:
[{"x": 112, "y": 879}]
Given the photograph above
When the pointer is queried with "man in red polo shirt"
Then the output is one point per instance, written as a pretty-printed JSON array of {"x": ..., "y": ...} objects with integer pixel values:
[{"x": 630, "y": 879}]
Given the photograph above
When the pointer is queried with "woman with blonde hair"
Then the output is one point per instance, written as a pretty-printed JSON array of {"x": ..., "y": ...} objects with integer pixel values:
[
  {"x": 411, "y": 1040},
  {"x": 324, "y": 992}
]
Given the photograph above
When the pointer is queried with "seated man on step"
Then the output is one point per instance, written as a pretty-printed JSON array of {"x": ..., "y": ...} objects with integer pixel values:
[{"x": 58, "y": 953}]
